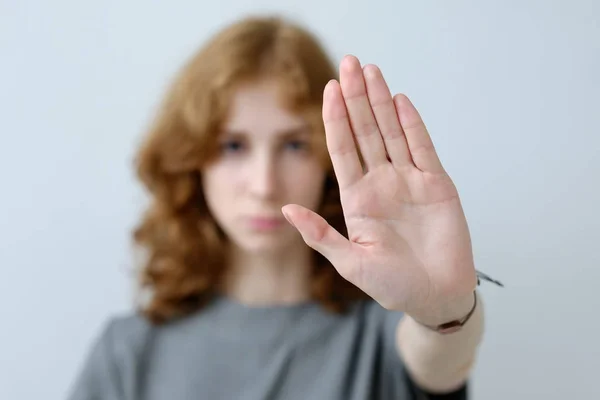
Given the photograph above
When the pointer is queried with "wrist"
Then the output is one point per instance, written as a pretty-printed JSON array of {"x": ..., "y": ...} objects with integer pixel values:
[{"x": 455, "y": 309}]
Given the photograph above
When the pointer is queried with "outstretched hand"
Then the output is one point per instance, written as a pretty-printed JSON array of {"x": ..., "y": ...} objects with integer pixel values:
[{"x": 408, "y": 243}]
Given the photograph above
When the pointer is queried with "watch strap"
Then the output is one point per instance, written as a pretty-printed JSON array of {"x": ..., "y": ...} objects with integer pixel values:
[{"x": 457, "y": 324}]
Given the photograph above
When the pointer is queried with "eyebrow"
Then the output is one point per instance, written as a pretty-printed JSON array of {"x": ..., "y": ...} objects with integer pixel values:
[{"x": 284, "y": 134}]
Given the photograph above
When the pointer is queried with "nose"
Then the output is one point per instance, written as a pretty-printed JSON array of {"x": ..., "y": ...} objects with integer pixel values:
[{"x": 262, "y": 177}]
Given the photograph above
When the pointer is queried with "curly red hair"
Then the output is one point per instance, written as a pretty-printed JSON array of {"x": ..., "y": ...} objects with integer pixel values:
[{"x": 183, "y": 244}]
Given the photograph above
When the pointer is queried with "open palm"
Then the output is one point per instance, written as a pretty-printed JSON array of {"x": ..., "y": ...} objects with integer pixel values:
[{"x": 408, "y": 242}]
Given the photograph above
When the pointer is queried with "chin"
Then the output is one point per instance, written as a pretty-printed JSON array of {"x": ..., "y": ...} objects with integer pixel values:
[{"x": 265, "y": 244}]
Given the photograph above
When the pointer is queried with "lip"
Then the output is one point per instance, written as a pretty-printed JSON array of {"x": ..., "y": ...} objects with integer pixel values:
[{"x": 265, "y": 223}]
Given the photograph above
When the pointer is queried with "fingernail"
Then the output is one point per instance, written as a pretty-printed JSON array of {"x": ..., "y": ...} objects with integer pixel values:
[{"x": 288, "y": 219}]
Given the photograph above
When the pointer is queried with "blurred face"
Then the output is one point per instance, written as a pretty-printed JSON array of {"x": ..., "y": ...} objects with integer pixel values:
[{"x": 265, "y": 162}]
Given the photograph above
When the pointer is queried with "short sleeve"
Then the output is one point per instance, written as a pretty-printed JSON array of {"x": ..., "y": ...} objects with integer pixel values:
[{"x": 98, "y": 378}]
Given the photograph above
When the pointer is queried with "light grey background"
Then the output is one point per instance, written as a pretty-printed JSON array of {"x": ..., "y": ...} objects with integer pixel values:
[{"x": 509, "y": 90}]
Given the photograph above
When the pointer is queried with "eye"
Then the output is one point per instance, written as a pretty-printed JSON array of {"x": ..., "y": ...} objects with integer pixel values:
[
  {"x": 231, "y": 146},
  {"x": 297, "y": 145}
]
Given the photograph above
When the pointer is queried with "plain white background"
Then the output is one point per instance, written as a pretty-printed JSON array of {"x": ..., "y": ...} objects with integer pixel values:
[{"x": 508, "y": 89}]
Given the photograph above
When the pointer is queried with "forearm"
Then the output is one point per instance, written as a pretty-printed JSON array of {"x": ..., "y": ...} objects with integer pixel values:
[{"x": 436, "y": 362}]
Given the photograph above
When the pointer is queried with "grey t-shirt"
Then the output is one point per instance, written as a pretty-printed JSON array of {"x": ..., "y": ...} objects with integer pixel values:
[{"x": 230, "y": 351}]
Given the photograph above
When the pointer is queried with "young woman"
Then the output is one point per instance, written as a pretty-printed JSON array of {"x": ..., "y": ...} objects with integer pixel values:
[{"x": 367, "y": 291}]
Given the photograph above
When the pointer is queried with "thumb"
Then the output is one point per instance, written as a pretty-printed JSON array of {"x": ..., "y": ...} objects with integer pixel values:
[{"x": 318, "y": 234}]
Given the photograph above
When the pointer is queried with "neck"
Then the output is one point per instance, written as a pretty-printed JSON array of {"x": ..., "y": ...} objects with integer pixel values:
[{"x": 278, "y": 278}]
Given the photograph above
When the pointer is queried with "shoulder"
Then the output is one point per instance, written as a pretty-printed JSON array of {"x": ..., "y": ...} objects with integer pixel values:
[
  {"x": 125, "y": 333},
  {"x": 128, "y": 326},
  {"x": 121, "y": 339}
]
